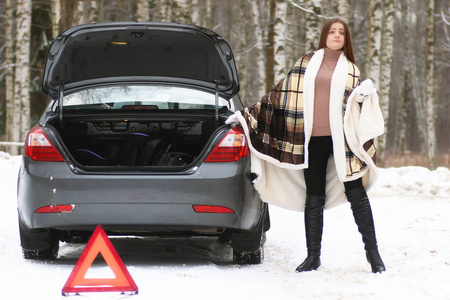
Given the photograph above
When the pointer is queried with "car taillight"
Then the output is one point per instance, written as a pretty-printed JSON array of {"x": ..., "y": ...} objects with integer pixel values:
[
  {"x": 212, "y": 209},
  {"x": 56, "y": 209},
  {"x": 231, "y": 148},
  {"x": 39, "y": 148}
]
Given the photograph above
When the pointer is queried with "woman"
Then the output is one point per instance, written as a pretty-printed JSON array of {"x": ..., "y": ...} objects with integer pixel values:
[{"x": 312, "y": 123}]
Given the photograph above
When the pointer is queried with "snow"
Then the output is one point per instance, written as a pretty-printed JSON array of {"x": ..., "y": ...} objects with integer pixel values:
[{"x": 411, "y": 206}]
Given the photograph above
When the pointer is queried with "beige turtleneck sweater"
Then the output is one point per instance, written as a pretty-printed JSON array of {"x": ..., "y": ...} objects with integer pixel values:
[{"x": 321, "y": 121}]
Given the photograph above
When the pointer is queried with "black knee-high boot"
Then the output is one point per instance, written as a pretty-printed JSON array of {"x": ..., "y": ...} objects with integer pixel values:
[
  {"x": 313, "y": 226},
  {"x": 363, "y": 217}
]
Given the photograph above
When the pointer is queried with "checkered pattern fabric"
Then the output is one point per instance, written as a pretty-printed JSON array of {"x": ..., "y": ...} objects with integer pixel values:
[{"x": 276, "y": 122}]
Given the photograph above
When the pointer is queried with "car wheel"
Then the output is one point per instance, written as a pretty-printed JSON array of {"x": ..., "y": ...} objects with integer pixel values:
[
  {"x": 248, "y": 246},
  {"x": 51, "y": 253},
  {"x": 41, "y": 245},
  {"x": 250, "y": 257}
]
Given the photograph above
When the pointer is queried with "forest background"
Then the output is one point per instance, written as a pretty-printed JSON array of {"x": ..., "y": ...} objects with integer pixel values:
[{"x": 403, "y": 46}]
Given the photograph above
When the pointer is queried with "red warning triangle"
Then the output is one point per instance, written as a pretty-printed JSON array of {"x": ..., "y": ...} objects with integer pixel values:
[{"x": 99, "y": 243}]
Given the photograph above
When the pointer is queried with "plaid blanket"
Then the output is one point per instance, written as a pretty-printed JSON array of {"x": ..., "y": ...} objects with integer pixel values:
[{"x": 276, "y": 124}]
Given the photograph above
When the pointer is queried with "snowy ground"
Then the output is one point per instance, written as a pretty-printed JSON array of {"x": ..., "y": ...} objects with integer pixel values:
[{"x": 411, "y": 206}]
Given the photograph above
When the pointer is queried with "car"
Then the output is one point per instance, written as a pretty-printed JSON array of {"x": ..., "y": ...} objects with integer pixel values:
[{"x": 135, "y": 140}]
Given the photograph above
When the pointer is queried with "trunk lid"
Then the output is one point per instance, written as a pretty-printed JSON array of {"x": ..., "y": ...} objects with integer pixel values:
[{"x": 147, "y": 52}]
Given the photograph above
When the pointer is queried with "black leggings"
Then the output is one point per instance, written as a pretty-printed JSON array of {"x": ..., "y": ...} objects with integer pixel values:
[{"x": 320, "y": 148}]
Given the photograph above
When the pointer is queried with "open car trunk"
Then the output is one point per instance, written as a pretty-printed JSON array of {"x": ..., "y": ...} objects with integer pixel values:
[
  {"x": 138, "y": 125},
  {"x": 138, "y": 143},
  {"x": 139, "y": 94}
]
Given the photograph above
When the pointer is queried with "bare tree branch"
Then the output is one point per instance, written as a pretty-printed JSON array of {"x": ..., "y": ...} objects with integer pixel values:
[
  {"x": 444, "y": 19},
  {"x": 307, "y": 10}
]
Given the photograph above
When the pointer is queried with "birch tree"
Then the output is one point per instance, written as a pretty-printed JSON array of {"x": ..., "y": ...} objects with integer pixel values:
[
  {"x": 179, "y": 11},
  {"x": 342, "y": 7},
  {"x": 280, "y": 39},
  {"x": 402, "y": 102},
  {"x": 291, "y": 41},
  {"x": 9, "y": 72},
  {"x": 165, "y": 10},
  {"x": 21, "y": 116},
  {"x": 403, "y": 107},
  {"x": 430, "y": 87},
  {"x": 270, "y": 53},
  {"x": 373, "y": 58},
  {"x": 68, "y": 13},
  {"x": 373, "y": 61},
  {"x": 259, "y": 33},
  {"x": 241, "y": 44},
  {"x": 143, "y": 10},
  {"x": 208, "y": 19},
  {"x": 82, "y": 13},
  {"x": 413, "y": 85},
  {"x": 313, "y": 25},
  {"x": 95, "y": 12},
  {"x": 56, "y": 17},
  {"x": 266, "y": 41},
  {"x": 384, "y": 79},
  {"x": 195, "y": 11}
]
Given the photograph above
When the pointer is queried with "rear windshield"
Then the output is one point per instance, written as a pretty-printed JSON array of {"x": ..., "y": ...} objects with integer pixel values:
[{"x": 143, "y": 97}]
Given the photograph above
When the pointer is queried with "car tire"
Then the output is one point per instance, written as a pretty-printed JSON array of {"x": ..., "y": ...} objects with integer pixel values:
[
  {"x": 248, "y": 246},
  {"x": 42, "y": 245},
  {"x": 250, "y": 257},
  {"x": 51, "y": 253}
]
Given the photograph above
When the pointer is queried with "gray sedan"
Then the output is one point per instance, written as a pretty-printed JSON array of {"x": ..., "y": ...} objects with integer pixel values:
[{"x": 136, "y": 141}]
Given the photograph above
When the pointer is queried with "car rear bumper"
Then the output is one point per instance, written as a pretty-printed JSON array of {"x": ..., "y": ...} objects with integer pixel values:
[{"x": 138, "y": 202}]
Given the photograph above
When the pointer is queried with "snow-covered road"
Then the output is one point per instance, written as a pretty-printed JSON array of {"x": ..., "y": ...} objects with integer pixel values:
[{"x": 411, "y": 206}]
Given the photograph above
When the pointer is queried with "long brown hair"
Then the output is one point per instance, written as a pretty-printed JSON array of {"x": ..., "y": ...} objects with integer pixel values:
[{"x": 348, "y": 45}]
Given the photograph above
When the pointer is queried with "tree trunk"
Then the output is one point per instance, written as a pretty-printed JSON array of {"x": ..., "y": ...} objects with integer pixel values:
[
  {"x": 165, "y": 10},
  {"x": 9, "y": 72},
  {"x": 313, "y": 25},
  {"x": 387, "y": 43},
  {"x": 56, "y": 17},
  {"x": 195, "y": 11},
  {"x": 403, "y": 104},
  {"x": 291, "y": 41},
  {"x": 430, "y": 87},
  {"x": 22, "y": 78},
  {"x": 82, "y": 13},
  {"x": 342, "y": 8},
  {"x": 267, "y": 37},
  {"x": 403, "y": 107},
  {"x": 240, "y": 43},
  {"x": 181, "y": 12},
  {"x": 143, "y": 10},
  {"x": 95, "y": 12},
  {"x": 259, "y": 34},
  {"x": 414, "y": 84},
  {"x": 209, "y": 18},
  {"x": 270, "y": 54},
  {"x": 373, "y": 60},
  {"x": 280, "y": 39},
  {"x": 67, "y": 14}
]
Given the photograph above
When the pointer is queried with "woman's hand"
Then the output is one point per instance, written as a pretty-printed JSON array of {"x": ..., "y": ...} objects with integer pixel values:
[
  {"x": 232, "y": 119},
  {"x": 363, "y": 90}
]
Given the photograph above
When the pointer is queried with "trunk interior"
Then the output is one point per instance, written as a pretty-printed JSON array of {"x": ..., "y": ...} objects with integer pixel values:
[{"x": 136, "y": 143}]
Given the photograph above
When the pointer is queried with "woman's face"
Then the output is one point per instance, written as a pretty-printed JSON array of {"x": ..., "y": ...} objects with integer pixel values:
[{"x": 336, "y": 36}]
